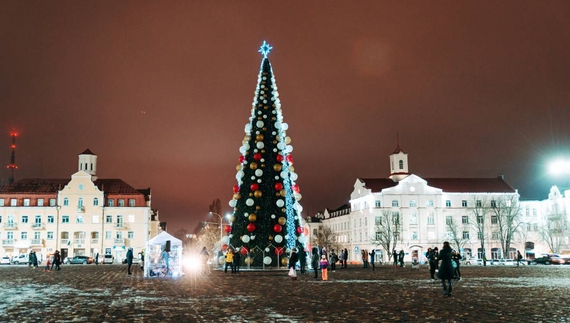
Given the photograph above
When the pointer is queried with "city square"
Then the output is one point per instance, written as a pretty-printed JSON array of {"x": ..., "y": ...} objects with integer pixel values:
[{"x": 105, "y": 293}]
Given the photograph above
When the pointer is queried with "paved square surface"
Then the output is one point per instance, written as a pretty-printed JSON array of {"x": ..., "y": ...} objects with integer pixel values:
[{"x": 105, "y": 293}]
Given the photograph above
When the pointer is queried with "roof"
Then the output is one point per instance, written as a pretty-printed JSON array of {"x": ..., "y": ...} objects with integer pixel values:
[
  {"x": 87, "y": 152},
  {"x": 51, "y": 185},
  {"x": 449, "y": 185}
]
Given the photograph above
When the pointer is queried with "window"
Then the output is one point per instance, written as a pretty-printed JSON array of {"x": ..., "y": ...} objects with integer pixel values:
[
  {"x": 108, "y": 219},
  {"x": 0, "y": 219},
  {"x": 40, "y": 202},
  {"x": 51, "y": 219},
  {"x": 394, "y": 202},
  {"x": 121, "y": 202},
  {"x": 494, "y": 219},
  {"x": 431, "y": 218},
  {"x": 1, "y": 202},
  {"x": 131, "y": 218},
  {"x": 95, "y": 219},
  {"x": 395, "y": 217},
  {"x": 414, "y": 235},
  {"x": 26, "y": 202},
  {"x": 110, "y": 202},
  {"x": 463, "y": 203},
  {"x": 478, "y": 203},
  {"x": 95, "y": 202},
  {"x": 493, "y": 204},
  {"x": 430, "y": 203},
  {"x": 50, "y": 235},
  {"x": 377, "y": 221},
  {"x": 13, "y": 202},
  {"x": 449, "y": 219},
  {"x": 119, "y": 235},
  {"x": 38, "y": 219},
  {"x": 449, "y": 235},
  {"x": 131, "y": 202},
  {"x": 413, "y": 218},
  {"x": 495, "y": 235},
  {"x": 535, "y": 227},
  {"x": 80, "y": 219},
  {"x": 479, "y": 220},
  {"x": 65, "y": 219},
  {"x": 131, "y": 235},
  {"x": 447, "y": 203},
  {"x": 51, "y": 202},
  {"x": 10, "y": 219},
  {"x": 401, "y": 164},
  {"x": 24, "y": 235},
  {"x": 378, "y": 235},
  {"x": 528, "y": 227},
  {"x": 480, "y": 235},
  {"x": 377, "y": 203},
  {"x": 65, "y": 201},
  {"x": 24, "y": 219},
  {"x": 413, "y": 203},
  {"x": 466, "y": 235},
  {"x": 80, "y": 203},
  {"x": 108, "y": 235},
  {"x": 37, "y": 235},
  {"x": 465, "y": 219}
]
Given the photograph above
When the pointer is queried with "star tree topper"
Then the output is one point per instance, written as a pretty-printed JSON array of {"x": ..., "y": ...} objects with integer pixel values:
[{"x": 265, "y": 49}]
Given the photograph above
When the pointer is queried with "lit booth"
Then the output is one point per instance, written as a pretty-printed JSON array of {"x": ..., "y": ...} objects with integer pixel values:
[{"x": 163, "y": 256}]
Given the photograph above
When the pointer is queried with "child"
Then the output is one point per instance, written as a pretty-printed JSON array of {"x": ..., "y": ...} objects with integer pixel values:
[
  {"x": 48, "y": 263},
  {"x": 324, "y": 266}
]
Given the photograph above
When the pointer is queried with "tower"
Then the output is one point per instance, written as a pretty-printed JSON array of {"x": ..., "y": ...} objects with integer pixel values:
[
  {"x": 398, "y": 164},
  {"x": 88, "y": 163},
  {"x": 12, "y": 165}
]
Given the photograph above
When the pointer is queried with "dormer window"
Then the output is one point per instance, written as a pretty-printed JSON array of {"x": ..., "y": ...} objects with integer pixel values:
[{"x": 401, "y": 164}]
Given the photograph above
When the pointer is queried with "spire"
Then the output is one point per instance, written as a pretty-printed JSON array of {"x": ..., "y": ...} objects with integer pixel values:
[{"x": 398, "y": 149}]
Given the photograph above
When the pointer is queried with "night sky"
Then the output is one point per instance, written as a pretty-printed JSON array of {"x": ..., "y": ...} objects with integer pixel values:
[{"x": 161, "y": 92}]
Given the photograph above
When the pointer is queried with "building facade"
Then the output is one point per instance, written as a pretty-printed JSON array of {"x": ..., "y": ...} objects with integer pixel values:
[
  {"x": 414, "y": 213},
  {"x": 82, "y": 216}
]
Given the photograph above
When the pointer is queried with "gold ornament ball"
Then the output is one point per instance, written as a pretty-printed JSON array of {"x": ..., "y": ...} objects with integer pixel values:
[
  {"x": 259, "y": 137},
  {"x": 233, "y": 219},
  {"x": 237, "y": 196},
  {"x": 287, "y": 140},
  {"x": 277, "y": 167},
  {"x": 282, "y": 220},
  {"x": 258, "y": 207},
  {"x": 238, "y": 167},
  {"x": 248, "y": 261},
  {"x": 270, "y": 238},
  {"x": 253, "y": 166},
  {"x": 283, "y": 193},
  {"x": 284, "y": 261},
  {"x": 283, "y": 210},
  {"x": 291, "y": 168},
  {"x": 252, "y": 217},
  {"x": 257, "y": 194}
]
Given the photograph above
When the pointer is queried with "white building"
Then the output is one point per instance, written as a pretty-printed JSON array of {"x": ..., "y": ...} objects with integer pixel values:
[
  {"x": 82, "y": 216},
  {"x": 432, "y": 210}
]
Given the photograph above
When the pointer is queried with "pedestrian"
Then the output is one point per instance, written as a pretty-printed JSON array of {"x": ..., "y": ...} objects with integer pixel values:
[
  {"x": 446, "y": 271},
  {"x": 302, "y": 260},
  {"x": 436, "y": 255},
  {"x": 372, "y": 255},
  {"x": 324, "y": 264},
  {"x": 519, "y": 258},
  {"x": 204, "y": 256},
  {"x": 30, "y": 258},
  {"x": 432, "y": 260},
  {"x": 97, "y": 258},
  {"x": 401, "y": 258},
  {"x": 229, "y": 261},
  {"x": 333, "y": 260},
  {"x": 129, "y": 260},
  {"x": 34, "y": 260},
  {"x": 395, "y": 257},
  {"x": 56, "y": 260},
  {"x": 236, "y": 261},
  {"x": 293, "y": 258},
  {"x": 48, "y": 263},
  {"x": 456, "y": 257},
  {"x": 315, "y": 261},
  {"x": 345, "y": 257}
]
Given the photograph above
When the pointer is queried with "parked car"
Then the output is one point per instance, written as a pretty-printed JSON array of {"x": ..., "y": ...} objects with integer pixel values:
[
  {"x": 21, "y": 259},
  {"x": 79, "y": 260},
  {"x": 5, "y": 260},
  {"x": 108, "y": 259},
  {"x": 549, "y": 259}
]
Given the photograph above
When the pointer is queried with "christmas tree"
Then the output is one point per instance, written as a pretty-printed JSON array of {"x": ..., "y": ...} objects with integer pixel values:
[{"x": 266, "y": 222}]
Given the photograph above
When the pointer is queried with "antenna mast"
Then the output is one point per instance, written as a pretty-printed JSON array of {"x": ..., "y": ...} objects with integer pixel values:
[{"x": 12, "y": 165}]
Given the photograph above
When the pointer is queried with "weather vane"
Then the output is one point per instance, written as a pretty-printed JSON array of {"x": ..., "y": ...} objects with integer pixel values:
[{"x": 265, "y": 49}]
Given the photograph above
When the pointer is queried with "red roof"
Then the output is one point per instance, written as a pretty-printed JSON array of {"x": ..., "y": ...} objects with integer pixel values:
[
  {"x": 87, "y": 152},
  {"x": 50, "y": 185},
  {"x": 450, "y": 185}
]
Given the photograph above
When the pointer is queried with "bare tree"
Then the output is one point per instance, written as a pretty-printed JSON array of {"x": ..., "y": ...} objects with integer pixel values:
[
  {"x": 507, "y": 211},
  {"x": 209, "y": 236},
  {"x": 477, "y": 218},
  {"x": 456, "y": 234},
  {"x": 555, "y": 229},
  {"x": 216, "y": 206},
  {"x": 388, "y": 228},
  {"x": 327, "y": 238}
]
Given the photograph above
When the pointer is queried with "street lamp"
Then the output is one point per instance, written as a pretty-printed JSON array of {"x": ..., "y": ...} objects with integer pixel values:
[{"x": 221, "y": 222}]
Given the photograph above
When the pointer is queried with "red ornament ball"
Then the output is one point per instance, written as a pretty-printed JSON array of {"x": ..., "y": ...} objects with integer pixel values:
[
  {"x": 241, "y": 159},
  {"x": 224, "y": 247},
  {"x": 251, "y": 227},
  {"x": 244, "y": 251},
  {"x": 289, "y": 159},
  {"x": 278, "y": 186},
  {"x": 296, "y": 188},
  {"x": 257, "y": 156},
  {"x": 254, "y": 187},
  {"x": 299, "y": 230},
  {"x": 279, "y": 251},
  {"x": 236, "y": 188},
  {"x": 279, "y": 157},
  {"x": 228, "y": 228},
  {"x": 277, "y": 228}
]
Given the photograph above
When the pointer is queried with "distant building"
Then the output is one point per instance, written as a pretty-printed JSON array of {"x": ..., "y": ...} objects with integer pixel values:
[
  {"x": 432, "y": 210},
  {"x": 82, "y": 216}
]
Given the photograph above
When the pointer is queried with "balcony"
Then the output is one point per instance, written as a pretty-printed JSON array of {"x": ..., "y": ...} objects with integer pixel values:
[
  {"x": 38, "y": 226},
  {"x": 10, "y": 226},
  {"x": 94, "y": 241},
  {"x": 120, "y": 242},
  {"x": 120, "y": 225},
  {"x": 37, "y": 242},
  {"x": 65, "y": 242},
  {"x": 9, "y": 242},
  {"x": 78, "y": 241}
]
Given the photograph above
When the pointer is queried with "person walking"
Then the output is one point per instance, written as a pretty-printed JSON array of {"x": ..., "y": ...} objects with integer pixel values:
[
  {"x": 324, "y": 264},
  {"x": 445, "y": 272},
  {"x": 129, "y": 260},
  {"x": 293, "y": 258},
  {"x": 236, "y": 261},
  {"x": 315, "y": 261},
  {"x": 229, "y": 261},
  {"x": 345, "y": 257},
  {"x": 56, "y": 260},
  {"x": 333, "y": 259},
  {"x": 302, "y": 260},
  {"x": 432, "y": 260},
  {"x": 456, "y": 257},
  {"x": 34, "y": 260},
  {"x": 395, "y": 258},
  {"x": 97, "y": 258},
  {"x": 372, "y": 256},
  {"x": 519, "y": 258},
  {"x": 401, "y": 258},
  {"x": 204, "y": 256}
]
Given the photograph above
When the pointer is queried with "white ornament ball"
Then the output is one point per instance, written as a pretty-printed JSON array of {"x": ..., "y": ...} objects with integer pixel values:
[
  {"x": 280, "y": 203},
  {"x": 266, "y": 260},
  {"x": 225, "y": 239},
  {"x": 267, "y": 250},
  {"x": 258, "y": 172},
  {"x": 259, "y": 124},
  {"x": 221, "y": 260},
  {"x": 233, "y": 203},
  {"x": 245, "y": 239},
  {"x": 278, "y": 238},
  {"x": 260, "y": 145},
  {"x": 249, "y": 202},
  {"x": 273, "y": 216},
  {"x": 285, "y": 126}
]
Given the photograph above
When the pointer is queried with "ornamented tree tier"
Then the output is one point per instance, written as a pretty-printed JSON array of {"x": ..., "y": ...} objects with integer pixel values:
[{"x": 266, "y": 221}]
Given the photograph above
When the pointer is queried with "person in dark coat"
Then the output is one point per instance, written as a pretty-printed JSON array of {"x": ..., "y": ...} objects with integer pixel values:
[
  {"x": 302, "y": 260},
  {"x": 293, "y": 258},
  {"x": 345, "y": 257},
  {"x": 401, "y": 258},
  {"x": 456, "y": 257},
  {"x": 372, "y": 255},
  {"x": 129, "y": 260},
  {"x": 315, "y": 261},
  {"x": 237, "y": 261},
  {"x": 395, "y": 257},
  {"x": 446, "y": 269},
  {"x": 432, "y": 259},
  {"x": 34, "y": 259}
]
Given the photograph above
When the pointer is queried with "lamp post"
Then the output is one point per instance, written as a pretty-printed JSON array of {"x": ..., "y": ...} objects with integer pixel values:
[{"x": 221, "y": 222}]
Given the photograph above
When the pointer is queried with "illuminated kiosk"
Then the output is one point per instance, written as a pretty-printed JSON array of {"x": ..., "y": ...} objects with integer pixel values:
[{"x": 163, "y": 255}]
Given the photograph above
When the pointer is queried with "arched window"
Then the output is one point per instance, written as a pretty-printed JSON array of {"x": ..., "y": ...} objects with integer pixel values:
[
  {"x": 95, "y": 202},
  {"x": 80, "y": 202},
  {"x": 401, "y": 163},
  {"x": 65, "y": 201}
]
